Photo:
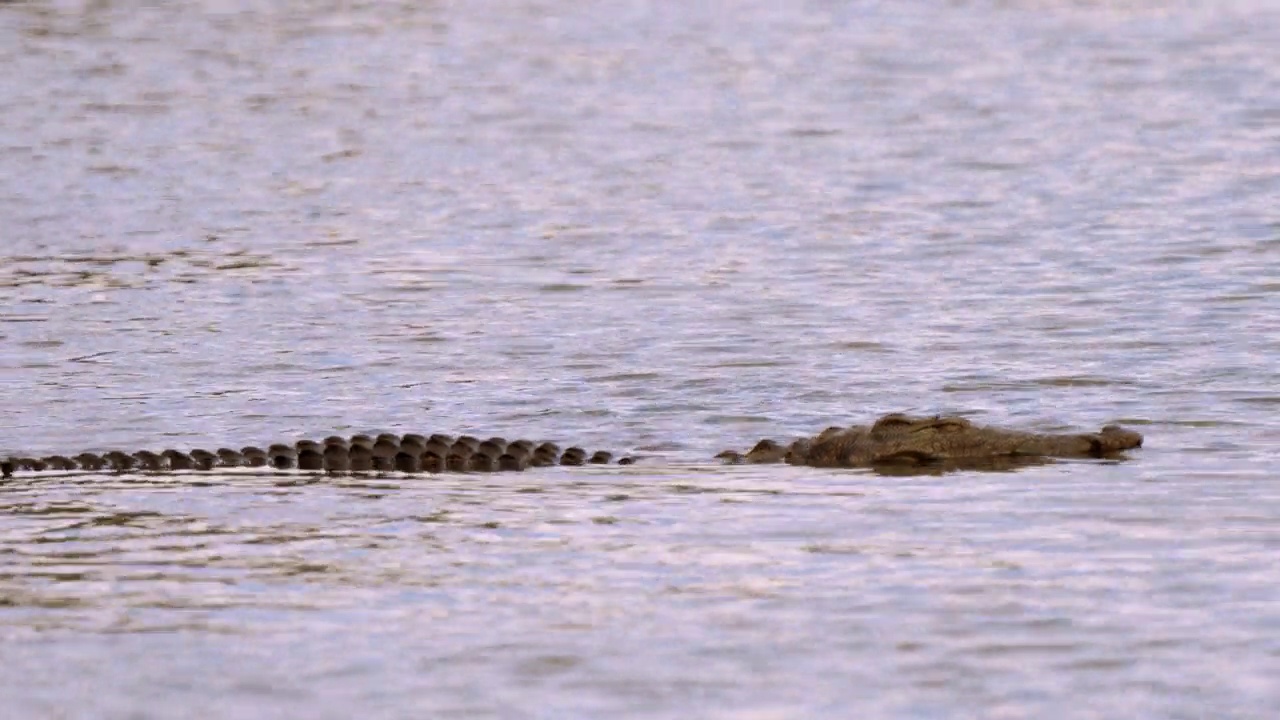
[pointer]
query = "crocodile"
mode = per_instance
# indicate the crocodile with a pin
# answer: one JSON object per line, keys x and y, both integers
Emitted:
{"x": 896, "y": 440}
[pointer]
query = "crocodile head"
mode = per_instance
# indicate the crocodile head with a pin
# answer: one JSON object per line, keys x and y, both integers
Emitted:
{"x": 907, "y": 440}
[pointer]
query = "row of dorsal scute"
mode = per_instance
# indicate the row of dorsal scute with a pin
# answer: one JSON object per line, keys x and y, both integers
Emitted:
{"x": 359, "y": 453}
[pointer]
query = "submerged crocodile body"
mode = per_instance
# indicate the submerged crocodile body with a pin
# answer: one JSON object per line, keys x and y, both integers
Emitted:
{"x": 895, "y": 440}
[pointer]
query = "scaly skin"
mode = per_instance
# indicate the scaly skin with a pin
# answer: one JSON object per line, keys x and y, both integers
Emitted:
{"x": 905, "y": 440}
{"x": 893, "y": 441}
{"x": 361, "y": 453}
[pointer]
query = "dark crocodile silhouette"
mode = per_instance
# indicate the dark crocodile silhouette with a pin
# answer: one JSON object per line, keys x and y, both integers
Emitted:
{"x": 897, "y": 440}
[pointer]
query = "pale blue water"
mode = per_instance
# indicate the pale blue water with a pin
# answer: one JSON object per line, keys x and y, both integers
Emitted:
{"x": 655, "y": 228}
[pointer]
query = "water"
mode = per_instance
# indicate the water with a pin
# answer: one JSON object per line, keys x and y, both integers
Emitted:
{"x": 659, "y": 229}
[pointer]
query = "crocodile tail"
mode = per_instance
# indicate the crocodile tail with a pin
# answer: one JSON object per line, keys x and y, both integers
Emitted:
{"x": 414, "y": 454}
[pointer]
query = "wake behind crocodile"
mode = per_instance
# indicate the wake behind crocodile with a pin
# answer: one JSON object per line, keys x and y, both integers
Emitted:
{"x": 897, "y": 442}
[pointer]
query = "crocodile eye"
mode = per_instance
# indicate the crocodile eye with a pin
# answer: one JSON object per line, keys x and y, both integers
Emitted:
{"x": 949, "y": 424}
{"x": 894, "y": 421}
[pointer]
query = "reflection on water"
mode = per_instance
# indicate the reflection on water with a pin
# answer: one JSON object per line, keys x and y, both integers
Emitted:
{"x": 652, "y": 228}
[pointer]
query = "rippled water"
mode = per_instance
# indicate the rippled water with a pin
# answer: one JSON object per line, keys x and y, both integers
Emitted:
{"x": 661, "y": 229}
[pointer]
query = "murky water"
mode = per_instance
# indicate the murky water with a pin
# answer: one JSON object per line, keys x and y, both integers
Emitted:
{"x": 662, "y": 229}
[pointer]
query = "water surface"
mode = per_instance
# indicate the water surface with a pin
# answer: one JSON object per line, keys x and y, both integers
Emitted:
{"x": 664, "y": 230}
